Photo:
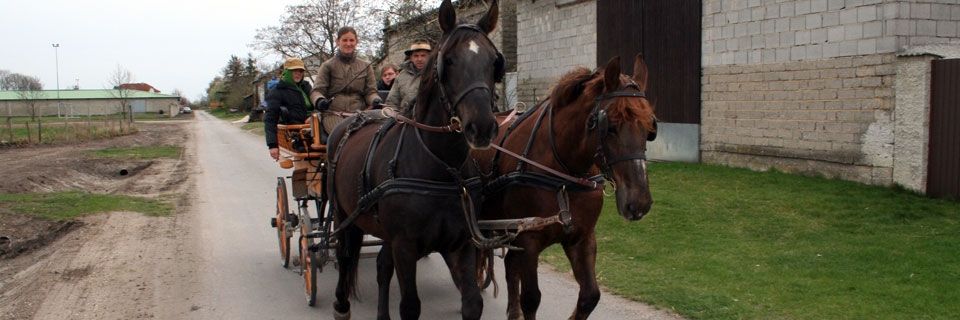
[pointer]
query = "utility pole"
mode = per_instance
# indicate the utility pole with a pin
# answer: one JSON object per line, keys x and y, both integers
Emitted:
{"x": 56, "y": 53}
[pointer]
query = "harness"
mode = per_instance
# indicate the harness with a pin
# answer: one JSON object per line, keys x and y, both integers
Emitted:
{"x": 458, "y": 187}
{"x": 555, "y": 180}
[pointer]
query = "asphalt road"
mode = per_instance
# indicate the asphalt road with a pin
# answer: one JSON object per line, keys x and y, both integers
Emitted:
{"x": 240, "y": 276}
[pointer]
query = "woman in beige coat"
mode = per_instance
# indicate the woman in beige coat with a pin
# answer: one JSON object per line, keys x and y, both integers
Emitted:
{"x": 344, "y": 83}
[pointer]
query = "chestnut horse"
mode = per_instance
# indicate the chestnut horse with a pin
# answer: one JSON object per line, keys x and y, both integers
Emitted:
{"x": 592, "y": 122}
{"x": 395, "y": 179}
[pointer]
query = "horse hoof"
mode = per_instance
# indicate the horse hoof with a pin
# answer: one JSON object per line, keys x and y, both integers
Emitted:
{"x": 341, "y": 316}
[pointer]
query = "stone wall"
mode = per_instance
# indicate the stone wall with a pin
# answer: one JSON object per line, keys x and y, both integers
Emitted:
{"x": 833, "y": 117}
{"x": 808, "y": 85}
{"x": 755, "y": 31}
{"x": 400, "y": 36}
{"x": 553, "y": 38}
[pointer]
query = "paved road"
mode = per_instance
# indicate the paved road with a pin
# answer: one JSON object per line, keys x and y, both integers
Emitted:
{"x": 240, "y": 276}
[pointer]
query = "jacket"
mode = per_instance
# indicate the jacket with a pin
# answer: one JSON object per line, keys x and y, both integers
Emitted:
{"x": 350, "y": 85}
{"x": 405, "y": 87}
{"x": 284, "y": 96}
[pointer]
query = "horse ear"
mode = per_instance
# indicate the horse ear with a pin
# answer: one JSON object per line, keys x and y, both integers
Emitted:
{"x": 640, "y": 72}
{"x": 489, "y": 21}
{"x": 611, "y": 75}
{"x": 447, "y": 17}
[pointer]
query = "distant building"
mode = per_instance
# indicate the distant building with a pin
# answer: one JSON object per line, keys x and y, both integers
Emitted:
{"x": 139, "y": 87}
{"x": 86, "y": 102}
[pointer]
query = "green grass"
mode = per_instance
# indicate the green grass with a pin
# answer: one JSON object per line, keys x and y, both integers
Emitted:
{"x": 724, "y": 243}
{"x": 53, "y": 133}
{"x": 255, "y": 127}
{"x": 141, "y": 152}
{"x": 68, "y": 205}
{"x": 225, "y": 114}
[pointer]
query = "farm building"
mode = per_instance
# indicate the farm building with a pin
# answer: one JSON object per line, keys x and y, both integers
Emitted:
{"x": 84, "y": 102}
{"x": 853, "y": 89}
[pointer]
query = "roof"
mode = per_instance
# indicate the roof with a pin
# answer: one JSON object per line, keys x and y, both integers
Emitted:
{"x": 88, "y": 94}
{"x": 139, "y": 86}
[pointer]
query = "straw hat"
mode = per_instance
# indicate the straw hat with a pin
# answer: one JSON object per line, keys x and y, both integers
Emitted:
{"x": 294, "y": 64}
{"x": 416, "y": 46}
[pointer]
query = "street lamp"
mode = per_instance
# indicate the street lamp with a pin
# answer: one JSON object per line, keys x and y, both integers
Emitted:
{"x": 56, "y": 53}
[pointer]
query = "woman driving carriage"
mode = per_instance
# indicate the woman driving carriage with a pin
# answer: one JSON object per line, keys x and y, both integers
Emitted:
{"x": 287, "y": 103}
{"x": 345, "y": 83}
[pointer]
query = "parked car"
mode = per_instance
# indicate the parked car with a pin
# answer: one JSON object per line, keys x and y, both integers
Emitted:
{"x": 186, "y": 110}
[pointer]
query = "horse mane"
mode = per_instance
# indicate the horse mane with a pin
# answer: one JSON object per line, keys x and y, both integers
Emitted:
{"x": 581, "y": 87}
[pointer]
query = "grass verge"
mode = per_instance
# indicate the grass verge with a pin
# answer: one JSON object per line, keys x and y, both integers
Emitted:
{"x": 225, "y": 114}
{"x": 724, "y": 243}
{"x": 255, "y": 127}
{"x": 67, "y": 205}
{"x": 141, "y": 152}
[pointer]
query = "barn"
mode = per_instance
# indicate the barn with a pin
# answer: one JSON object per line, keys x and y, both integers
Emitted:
{"x": 853, "y": 89}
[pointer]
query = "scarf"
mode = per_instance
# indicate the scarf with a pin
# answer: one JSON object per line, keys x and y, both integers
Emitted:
{"x": 287, "y": 78}
{"x": 346, "y": 58}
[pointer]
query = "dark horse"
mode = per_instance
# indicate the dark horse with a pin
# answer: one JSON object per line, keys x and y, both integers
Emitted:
{"x": 396, "y": 181}
{"x": 592, "y": 121}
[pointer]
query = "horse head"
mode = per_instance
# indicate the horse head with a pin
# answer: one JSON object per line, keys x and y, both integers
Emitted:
{"x": 463, "y": 70}
{"x": 623, "y": 121}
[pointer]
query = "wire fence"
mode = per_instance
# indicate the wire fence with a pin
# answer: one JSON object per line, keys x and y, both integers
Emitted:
{"x": 16, "y": 131}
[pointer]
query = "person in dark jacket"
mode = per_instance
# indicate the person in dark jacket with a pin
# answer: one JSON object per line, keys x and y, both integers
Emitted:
{"x": 387, "y": 73}
{"x": 288, "y": 103}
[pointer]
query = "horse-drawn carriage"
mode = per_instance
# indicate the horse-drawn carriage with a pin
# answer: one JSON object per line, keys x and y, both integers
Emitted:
{"x": 418, "y": 182}
{"x": 302, "y": 150}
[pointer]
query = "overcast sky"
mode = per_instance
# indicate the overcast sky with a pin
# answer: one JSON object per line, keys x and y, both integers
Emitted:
{"x": 173, "y": 44}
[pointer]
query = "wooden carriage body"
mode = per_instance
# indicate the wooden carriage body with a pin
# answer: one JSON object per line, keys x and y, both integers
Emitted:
{"x": 302, "y": 149}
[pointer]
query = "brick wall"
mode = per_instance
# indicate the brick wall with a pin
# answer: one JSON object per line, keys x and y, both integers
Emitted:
{"x": 808, "y": 85}
{"x": 552, "y": 39}
{"x": 756, "y": 31}
{"x": 836, "y": 111}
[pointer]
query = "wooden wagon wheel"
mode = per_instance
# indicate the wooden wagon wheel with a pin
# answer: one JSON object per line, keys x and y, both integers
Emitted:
{"x": 308, "y": 267}
{"x": 282, "y": 223}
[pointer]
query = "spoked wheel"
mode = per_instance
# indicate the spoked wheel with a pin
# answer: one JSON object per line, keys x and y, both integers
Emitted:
{"x": 282, "y": 222}
{"x": 308, "y": 267}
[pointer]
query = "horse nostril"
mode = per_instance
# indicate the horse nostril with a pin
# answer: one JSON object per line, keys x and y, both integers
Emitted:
{"x": 470, "y": 130}
{"x": 632, "y": 207}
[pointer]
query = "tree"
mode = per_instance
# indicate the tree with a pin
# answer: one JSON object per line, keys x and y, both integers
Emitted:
{"x": 119, "y": 77}
{"x": 29, "y": 89}
{"x": 238, "y": 76}
{"x": 18, "y": 82}
{"x": 310, "y": 28}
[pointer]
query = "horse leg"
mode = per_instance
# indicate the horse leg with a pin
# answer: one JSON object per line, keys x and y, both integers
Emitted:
{"x": 463, "y": 269}
{"x": 511, "y": 270}
{"x": 384, "y": 275}
{"x": 582, "y": 255}
{"x": 529, "y": 284}
{"x": 452, "y": 266}
{"x": 348, "y": 253}
{"x": 405, "y": 262}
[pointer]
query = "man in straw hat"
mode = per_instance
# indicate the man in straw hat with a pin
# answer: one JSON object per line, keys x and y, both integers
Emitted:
{"x": 288, "y": 103}
{"x": 405, "y": 86}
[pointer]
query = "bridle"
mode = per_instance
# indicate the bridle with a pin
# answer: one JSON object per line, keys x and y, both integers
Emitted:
{"x": 477, "y": 85}
{"x": 599, "y": 122}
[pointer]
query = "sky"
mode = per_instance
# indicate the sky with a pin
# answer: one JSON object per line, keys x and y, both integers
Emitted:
{"x": 174, "y": 44}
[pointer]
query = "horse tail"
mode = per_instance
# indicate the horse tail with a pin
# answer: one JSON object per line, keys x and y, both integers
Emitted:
{"x": 348, "y": 257}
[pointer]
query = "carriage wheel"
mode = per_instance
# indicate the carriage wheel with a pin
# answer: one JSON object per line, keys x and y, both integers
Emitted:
{"x": 308, "y": 267}
{"x": 282, "y": 222}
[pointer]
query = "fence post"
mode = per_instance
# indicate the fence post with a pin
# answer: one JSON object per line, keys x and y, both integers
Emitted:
{"x": 39, "y": 132}
{"x": 29, "y": 138}
{"x": 10, "y": 128}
